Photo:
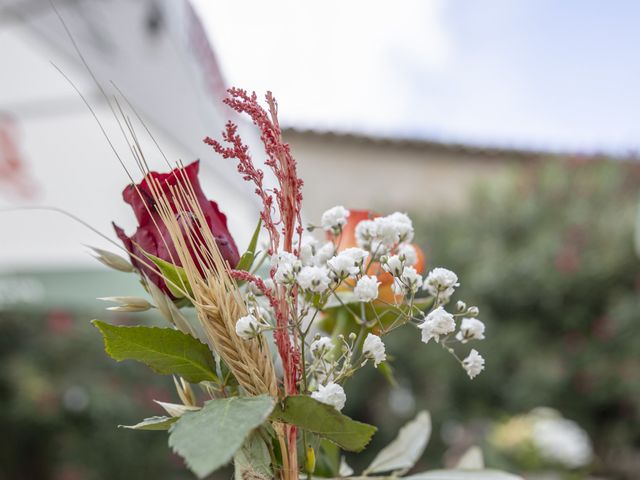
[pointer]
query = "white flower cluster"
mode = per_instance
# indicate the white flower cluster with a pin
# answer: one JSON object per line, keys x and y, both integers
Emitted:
{"x": 382, "y": 235}
{"x": 441, "y": 283}
{"x": 334, "y": 219}
{"x": 309, "y": 277}
{"x": 373, "y": 348}
{"x": 331, "y": 394}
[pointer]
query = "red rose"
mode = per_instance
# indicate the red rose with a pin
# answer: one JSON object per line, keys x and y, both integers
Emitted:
{"x": 152, "y": 235}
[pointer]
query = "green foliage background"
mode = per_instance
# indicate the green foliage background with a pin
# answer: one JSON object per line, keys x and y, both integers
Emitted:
{"x": 546, "y": 253}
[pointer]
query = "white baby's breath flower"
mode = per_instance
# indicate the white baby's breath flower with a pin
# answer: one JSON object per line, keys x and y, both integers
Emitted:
{"x": 285, "y": 274}
{"x": 282, "y": 258}
{"x": 393, "y": 264}
{"x": 343, "y": 265}
{"x": 365, "y": 233}
{"x": 408, "y": 252}
{"x": 441, "y": 282}
{"x": 324, "y": 253}
{"x": 247, "y": 327}
{"x": 269, "y": 285}
{"x": 403, "y": 226}
{"x": 308, "y": 250}
{"x": 287, "y": 266}
{"x": 334, "y": 219}
{"x": 321, "y": 346}
{"x": 358, "y": 255}
{"x": 313, "y": 279}
{"x": 331, "y": 394}
{"x": 437, "y": 322}
{"x": 408, "y": 282}
{"x": 470, "y": 329}
{"x": 473, "y": 364}
{"x": 366, "y": 290}
{"x": 373, "y": 348}
{"x": 386, "y": 231}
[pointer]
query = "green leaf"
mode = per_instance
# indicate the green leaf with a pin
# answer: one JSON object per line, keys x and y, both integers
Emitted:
{"x": 252, "y": 460}
{"x": 176, "y": 278}
{"x": 325, "y": 421}
{"x": 407, "y": 448}
{"x": 153, "y": 423}
{"x": 247, "y": 258}
{"x": 463, "y": 475}
{"x": 165, "y": 350}
{"x": 209, "y": 438}
{"x": 327, "y": 459}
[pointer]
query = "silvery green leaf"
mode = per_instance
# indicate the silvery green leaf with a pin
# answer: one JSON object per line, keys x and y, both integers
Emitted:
{"x": 471, "y": 460}
{"x": 463, "y": 475}
{"x": 345, "y": 470}
{"x": 209, "y": 438}
{"x": 253, "y": 460}
{"x": 152, "y": 423}
{"x": 176, "y": 409}
{"x": 403, "y": 453}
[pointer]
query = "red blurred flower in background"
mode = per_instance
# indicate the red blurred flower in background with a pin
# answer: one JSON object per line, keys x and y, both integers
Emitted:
{"x": 152, "y": 235}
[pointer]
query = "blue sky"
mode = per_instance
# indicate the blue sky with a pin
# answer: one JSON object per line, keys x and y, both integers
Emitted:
{"x": 537, "y": 74}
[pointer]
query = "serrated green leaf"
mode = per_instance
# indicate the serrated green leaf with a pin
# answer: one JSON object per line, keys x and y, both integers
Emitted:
{"x": 153, "y": 423}
{"x": 165, "y": 350}
{"x": 209, "y": 438}
{"x": 325, "y": 421}
{"x": 176, "y": 278}
{"x": 247, "y": 258}
{"x": 407, "y": 448}
{"x": 463, "y": 475}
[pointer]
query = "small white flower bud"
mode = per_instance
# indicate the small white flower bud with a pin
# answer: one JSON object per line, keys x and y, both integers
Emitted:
{"x": 473, "y": 364}
{"x": 470, "y": 329}
{"x": 461, "y": 306}
{"x": 321, "y": 346}
{"x": 334, "y": 219}
{"x": 373, "y": 348}
{"x": 248, "y": 327}
{"x": 473, "y": 311}
{"x": 394, "y": 265}
{"x": 436, "y": 323}
{"x": 366, "y": 290}
{"x": 331, "y": 394}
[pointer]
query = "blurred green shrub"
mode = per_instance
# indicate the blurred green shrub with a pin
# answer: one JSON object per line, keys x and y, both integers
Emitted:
{"x": 61, "y": 399}
{"x": 547, "y": 254}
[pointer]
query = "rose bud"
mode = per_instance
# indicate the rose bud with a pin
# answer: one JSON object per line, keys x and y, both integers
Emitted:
{"x": 152, "y": 235}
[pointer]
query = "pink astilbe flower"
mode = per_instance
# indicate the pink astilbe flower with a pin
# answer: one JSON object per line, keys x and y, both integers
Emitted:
{"x": 288, "y": 200}
{"x": 287, "y": 196}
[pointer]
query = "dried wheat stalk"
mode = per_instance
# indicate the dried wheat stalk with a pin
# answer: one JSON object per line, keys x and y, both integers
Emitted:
{"x": 215, "y": 294}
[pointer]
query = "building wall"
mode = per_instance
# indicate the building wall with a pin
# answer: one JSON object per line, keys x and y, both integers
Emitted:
{"x": 389, "y": 176}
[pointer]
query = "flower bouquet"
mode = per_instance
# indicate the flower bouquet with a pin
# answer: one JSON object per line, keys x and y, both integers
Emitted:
{"x": 277, "y": 331}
